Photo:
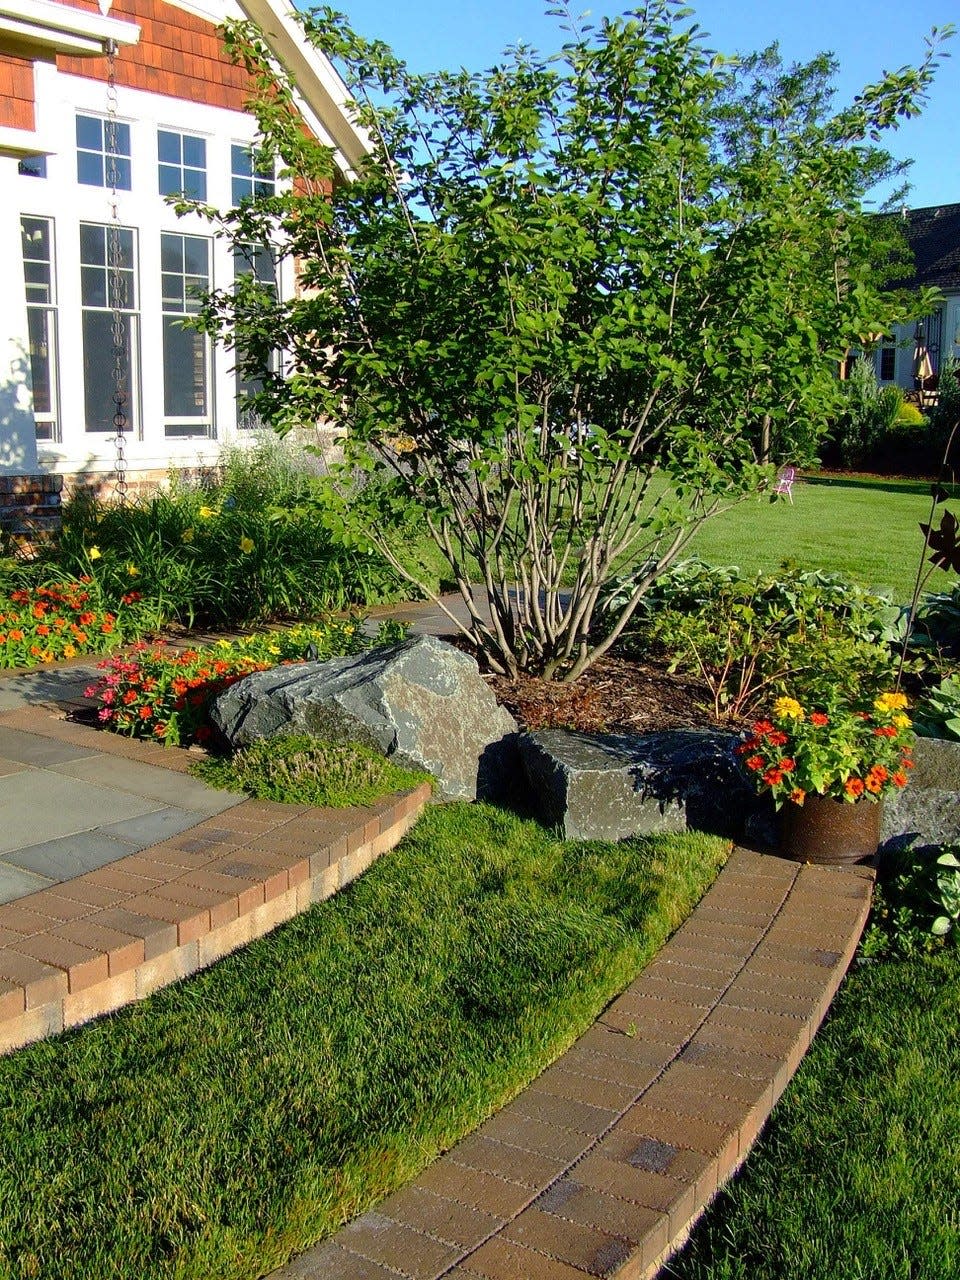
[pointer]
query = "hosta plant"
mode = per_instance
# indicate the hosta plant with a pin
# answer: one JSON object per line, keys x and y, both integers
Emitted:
{"x": 843, "y": 750}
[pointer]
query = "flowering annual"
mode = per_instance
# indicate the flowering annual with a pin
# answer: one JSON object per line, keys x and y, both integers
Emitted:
{"x": 849, "y": 751}
{"x": 41, "y": 625}
{"x": 154, "y": 691}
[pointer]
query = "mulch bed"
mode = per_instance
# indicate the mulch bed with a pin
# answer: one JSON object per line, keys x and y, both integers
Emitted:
{"x": 615, "y": 695}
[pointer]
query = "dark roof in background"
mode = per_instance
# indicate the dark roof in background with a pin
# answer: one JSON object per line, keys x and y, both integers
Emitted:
{"x": 934, "y": 237}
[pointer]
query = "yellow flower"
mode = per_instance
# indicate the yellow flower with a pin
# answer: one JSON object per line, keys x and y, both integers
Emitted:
{"x": 69, "y": 651}
{"x": 788, "y": 709}
{"x": 187, "y": 535}
{"x": 246, "y": 545}
{"x": 902, "y": 722}
{"x": 206, "y": 513}
{"x": 133, "y": 571}
{"x": 891, "y": 702}
{"x": 94, "y": 553}
{"x": 273, "y": 648}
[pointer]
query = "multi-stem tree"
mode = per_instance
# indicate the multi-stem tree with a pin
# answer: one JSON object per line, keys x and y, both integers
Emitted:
{"x": 568, "y": 308}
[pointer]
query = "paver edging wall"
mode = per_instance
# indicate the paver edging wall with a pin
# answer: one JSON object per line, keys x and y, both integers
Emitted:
{"x": 60, "y": 1000}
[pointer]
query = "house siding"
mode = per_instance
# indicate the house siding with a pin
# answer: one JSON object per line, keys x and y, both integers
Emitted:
{"x": 178, "y": 56}
{"x": 16, "y": 93}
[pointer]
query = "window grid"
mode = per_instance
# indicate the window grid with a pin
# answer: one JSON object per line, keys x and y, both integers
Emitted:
{"x": 258, "y": 261}
{"x": 185, "y": 272}
{"x": 106, "y": 285}
{"x": 40, "y": 280}
{"x": 181, "y": 164}
{"x": 103, "y": 153}
{"x": 248, "y": 180}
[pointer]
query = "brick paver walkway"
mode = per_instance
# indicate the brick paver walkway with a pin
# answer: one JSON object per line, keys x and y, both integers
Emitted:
{"x": 92, "y": 943}
{"x": 602, "y": 1164}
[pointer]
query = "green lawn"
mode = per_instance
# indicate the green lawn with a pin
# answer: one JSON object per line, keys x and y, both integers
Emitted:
{"x": 227, "y": 1122}
{"x": 867, "y": 529}
{"x": 857, "y": 1176}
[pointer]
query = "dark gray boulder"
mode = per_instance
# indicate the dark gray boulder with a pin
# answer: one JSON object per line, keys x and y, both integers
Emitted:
{"x": 927, "y": 810}
{"x": 421, "y": 702}
{"x": 608, "y": 786}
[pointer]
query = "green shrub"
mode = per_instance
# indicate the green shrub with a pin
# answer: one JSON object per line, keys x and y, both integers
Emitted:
{"x": 916, "y": 903}
{"x": 807, "y": 634}
{"x": 870, "y": 410}
{"x": 252, "y": 545}
{"x": 910, "y": 416}
{"x": 299, "y": 769}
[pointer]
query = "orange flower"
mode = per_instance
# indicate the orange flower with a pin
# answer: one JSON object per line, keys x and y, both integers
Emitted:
{"x": 755, "y": 763}
{"x": 777, "y": 738}
{"x": 145, "y": 713}
{"x": 43, "y": 629}
{"x": 773, "y": 776}
{"x": 853, "y": 787}
{"x": 819, "y": 719}
{"x": 16, "y": 634}
{"x": 787, "y": 766}
{"x": 798, "y": 795}
{"x": 129, "y": 696}
{"x": 885, "y": 731}
{"x": 899, "y": 779}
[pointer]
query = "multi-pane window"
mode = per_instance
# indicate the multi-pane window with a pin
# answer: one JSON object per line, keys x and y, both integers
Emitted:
{"x": 38, "y": 271}
{"x": 185, "y": 267}
{"x": 256, "y": 262}
{"x": 182, "y": 164}
{"x": 33, "y": 167}
{"x": 249, "y": 179}
{"x": 103, "y": 152}
{"x": 108, "y": 291}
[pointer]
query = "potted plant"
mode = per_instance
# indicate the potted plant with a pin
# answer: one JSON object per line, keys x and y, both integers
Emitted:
{"x": 828, "y": 768}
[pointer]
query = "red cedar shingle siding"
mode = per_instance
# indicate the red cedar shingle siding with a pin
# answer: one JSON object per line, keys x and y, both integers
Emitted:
{"x": 178, "y": 55}
{"x": 16, "y": 93}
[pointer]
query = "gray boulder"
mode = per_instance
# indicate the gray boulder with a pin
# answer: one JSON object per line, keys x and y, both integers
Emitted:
{"x": 608, "y": 786}
{"x": 927, "y": 811}
{"x": 421, "y": 702}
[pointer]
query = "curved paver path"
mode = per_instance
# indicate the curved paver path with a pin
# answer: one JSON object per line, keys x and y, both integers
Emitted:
{"x": 602, "y": 1164}
{"x": 96, "y": 941}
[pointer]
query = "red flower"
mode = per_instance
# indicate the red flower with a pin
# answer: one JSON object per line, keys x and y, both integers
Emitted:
{"x": 762, "y": 726}
{"x": 818, "y": 718}
{"x": 885, "y": 731}
{"x": 773, "y": 775}
{"x": 129, "y": 696}
{"x": 145, "y": 713}
{"x": 755, "y": 763}
{"x": 777, "y": 738}
{"x": 787, "y": 766}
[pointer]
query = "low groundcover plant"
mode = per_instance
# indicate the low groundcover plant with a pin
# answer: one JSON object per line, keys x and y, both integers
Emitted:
{"x": 846, "y": 751}
{"x": 156, "y": 692}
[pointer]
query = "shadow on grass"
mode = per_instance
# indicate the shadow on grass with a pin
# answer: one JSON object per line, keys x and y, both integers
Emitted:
{"x": 889, "y": 484}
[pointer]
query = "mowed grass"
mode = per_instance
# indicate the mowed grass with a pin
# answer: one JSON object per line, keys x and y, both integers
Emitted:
{"x": 232, "y": 1120}
{"x": 857, "y": 1176}
{"x": 867, "y": 529}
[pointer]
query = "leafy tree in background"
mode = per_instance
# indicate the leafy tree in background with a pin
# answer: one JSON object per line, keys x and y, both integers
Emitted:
{"x": 569, "y": 307}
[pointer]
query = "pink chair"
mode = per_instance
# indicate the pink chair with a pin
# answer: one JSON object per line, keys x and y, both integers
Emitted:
{"x": 784, "y": 484}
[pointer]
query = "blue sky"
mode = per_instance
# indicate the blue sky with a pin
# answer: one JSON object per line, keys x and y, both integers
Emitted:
{"x": 867, "y": 38}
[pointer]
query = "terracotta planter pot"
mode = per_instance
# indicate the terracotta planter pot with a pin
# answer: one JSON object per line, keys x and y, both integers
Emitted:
{"x": 830, "y": 831}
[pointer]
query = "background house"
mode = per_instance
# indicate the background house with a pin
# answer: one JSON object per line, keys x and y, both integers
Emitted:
{"x": 915, "y": 353}
{"x": 90, "y": 145}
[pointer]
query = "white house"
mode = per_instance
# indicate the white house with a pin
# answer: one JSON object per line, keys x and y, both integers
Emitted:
{"x": 103, "y": 114}
{"x": 913, "y": 355}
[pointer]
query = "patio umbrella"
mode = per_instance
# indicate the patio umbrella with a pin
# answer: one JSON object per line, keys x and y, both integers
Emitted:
{"x": 922, "y": 366}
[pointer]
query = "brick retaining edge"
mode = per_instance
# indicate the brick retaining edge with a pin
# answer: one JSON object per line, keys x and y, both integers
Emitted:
{"x": 602, "y": 1165}
{"x": 90, "y": 945}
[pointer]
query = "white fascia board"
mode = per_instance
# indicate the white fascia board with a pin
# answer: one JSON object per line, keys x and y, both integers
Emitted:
{"x": 23, "y": 142}
{"x": 44, "y": 27}
{"x": 324, "y": 97}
